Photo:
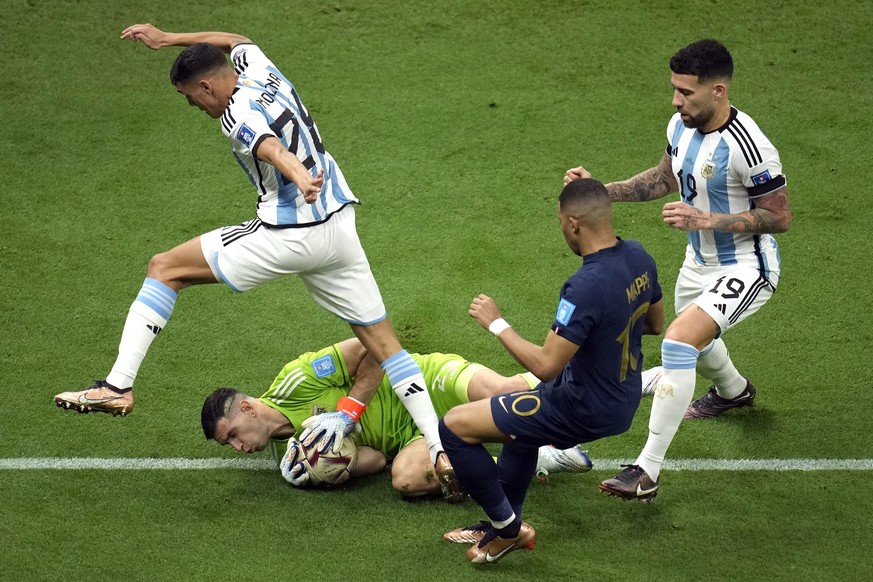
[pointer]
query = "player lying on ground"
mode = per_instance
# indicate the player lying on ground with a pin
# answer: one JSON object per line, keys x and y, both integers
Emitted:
{"x": 318, "y": 382}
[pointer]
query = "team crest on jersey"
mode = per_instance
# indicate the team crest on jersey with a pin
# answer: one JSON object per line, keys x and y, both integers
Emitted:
{"x": 565, "y": 310}
{"x": 761, "y": 178}
{"x": 708, "y": 169}
{"x": 245, "y": 134}
{"x": 324, "y": 366}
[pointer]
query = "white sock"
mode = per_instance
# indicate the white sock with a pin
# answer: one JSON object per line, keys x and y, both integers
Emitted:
{"x": 147, "y": 317}
{"x": 715, "y": 365}
{"x": 672, "y": 398}
{"x": 409, "y": 385}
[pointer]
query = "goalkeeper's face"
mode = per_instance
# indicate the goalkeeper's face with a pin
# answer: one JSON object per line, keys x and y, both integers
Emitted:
{"x": 244, "y": 432}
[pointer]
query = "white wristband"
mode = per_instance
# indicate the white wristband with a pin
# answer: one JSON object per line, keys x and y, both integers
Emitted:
{"x": 498, "y": 326}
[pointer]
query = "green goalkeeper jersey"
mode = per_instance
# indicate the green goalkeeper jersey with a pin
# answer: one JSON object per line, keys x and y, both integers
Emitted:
{"x": 315, "y": 381}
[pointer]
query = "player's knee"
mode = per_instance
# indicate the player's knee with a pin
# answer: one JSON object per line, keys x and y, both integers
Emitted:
{"x": 412, "y": 482}
{"x": 160, "y": 266}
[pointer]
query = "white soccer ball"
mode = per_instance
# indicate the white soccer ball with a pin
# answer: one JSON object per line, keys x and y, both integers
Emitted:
{"x": 330, "y": 469}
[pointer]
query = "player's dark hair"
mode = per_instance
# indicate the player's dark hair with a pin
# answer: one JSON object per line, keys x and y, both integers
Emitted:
{"x": 583, "y": 191}
{"x": 707, "y": 59}
{"x": 215, "y": 408}
{"x": 195, "y": 60}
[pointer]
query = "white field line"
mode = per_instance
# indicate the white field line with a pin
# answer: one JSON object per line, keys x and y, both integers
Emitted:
{"x": 169, "y": 464}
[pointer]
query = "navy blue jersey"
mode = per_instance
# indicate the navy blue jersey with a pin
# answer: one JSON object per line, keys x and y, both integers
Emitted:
{"x": 602, "y": 309}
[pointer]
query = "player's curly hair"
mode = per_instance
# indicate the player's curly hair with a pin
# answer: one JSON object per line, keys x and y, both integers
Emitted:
{"x": 195, "y": 60}
{"x": 215, "y": 408}
{"x": 707, "y": 58}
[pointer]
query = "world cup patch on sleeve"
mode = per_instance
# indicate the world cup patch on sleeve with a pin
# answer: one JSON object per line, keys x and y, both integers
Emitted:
{"x": 324, "y": 366}
{"x": 565, "y": 311}
{"x": 245, "y": 134}
{"x": 761, "y": 178}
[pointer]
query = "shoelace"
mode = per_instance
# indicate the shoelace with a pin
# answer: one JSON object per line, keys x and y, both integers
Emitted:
{"x": 628, "y": 476}
{"x": 490, "y": 534}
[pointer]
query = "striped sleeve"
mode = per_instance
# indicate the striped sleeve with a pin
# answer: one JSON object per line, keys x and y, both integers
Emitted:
{"x": 755, "y": 160}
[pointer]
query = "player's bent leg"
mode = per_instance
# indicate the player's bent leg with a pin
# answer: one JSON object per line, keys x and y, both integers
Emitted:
{"x": 182, "y": 266}
{"x": 168, "y": 273}
{"x": 487, "y": 383}
{"x": 405, "y": 377}
{"x": 408, "y": 383}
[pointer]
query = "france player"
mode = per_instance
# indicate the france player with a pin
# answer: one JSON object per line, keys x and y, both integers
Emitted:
{"x": 305, "y": 225}
{"x": 319, "y": 381}
{"x": 733, "y": 197}
{"x": 591, "y": 364}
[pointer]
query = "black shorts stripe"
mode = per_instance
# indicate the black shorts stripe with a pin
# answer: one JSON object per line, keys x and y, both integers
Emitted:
{"x": 235, "y": 233}
{"x": 759, "y": 285}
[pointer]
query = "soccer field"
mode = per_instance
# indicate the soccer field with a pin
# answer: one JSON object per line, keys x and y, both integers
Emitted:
{"x": 454, "y": 123}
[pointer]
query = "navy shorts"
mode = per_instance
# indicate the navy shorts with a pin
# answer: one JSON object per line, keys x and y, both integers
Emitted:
{"x": 538, "y": 418}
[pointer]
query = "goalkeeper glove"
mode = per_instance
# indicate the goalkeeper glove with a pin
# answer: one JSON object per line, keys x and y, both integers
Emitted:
{"x": 292, "y": 467}
{"x": 330, "y": 428}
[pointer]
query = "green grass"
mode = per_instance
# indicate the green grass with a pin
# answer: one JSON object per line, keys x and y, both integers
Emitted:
{"x": 453, "y": 122}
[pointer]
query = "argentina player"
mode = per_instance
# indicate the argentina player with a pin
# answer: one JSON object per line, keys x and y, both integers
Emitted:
{"x": 733, "y": 197}
{"x": 304, "y": 225}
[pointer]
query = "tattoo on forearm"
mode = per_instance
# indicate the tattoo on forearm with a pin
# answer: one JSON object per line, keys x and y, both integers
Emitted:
{"x": 649, "y": 185}
{"x": 755, "y": 221}
{"x": 773, "y": 214}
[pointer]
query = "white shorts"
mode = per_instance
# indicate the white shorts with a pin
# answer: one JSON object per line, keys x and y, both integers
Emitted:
{"x": 328, "y": 257}
{"x": 727, "y": 294}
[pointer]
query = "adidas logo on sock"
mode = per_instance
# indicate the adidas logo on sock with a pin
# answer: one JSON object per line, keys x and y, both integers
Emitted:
{"x": 154, "y": 328}
{"x": 413, "y": 389}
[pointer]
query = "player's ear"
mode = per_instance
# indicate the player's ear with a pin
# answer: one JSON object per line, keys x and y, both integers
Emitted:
{"x": 206, "y": 86}
{"x": 246, "y": 407}
{"x": 719, "y": 91}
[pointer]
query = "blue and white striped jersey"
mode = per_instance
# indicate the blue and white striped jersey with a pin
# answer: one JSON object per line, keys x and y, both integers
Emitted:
{"x": 265, "y": 104}
{"x": 724, "y": 171}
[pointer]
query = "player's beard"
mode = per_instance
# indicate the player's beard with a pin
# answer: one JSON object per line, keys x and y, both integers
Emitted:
{"x": 699, "y": 120}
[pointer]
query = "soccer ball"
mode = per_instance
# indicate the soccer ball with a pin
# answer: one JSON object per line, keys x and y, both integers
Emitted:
{"x": 330, "y": 469}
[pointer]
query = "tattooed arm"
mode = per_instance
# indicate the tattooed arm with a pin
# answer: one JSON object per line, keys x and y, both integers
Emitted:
{"x": 654, "y": 183}
{"x": 772, "y": 214}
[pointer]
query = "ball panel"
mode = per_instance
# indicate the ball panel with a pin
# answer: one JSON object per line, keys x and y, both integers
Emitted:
{"x": 330, "y": 469}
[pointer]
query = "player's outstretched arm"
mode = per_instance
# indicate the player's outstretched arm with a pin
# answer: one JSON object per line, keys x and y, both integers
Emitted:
{"x": 155, "y": 38}
{"x": 543, "y": 361}
{"x": 652, "y": 184}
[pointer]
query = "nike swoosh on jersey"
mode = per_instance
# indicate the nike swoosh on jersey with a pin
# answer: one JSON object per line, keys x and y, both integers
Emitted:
{"x": 85, "y": 400}
{"x": 503, "y": 404}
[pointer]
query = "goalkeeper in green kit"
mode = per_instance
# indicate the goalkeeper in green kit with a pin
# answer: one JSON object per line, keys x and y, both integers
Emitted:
{"x": 322, "y": 396}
